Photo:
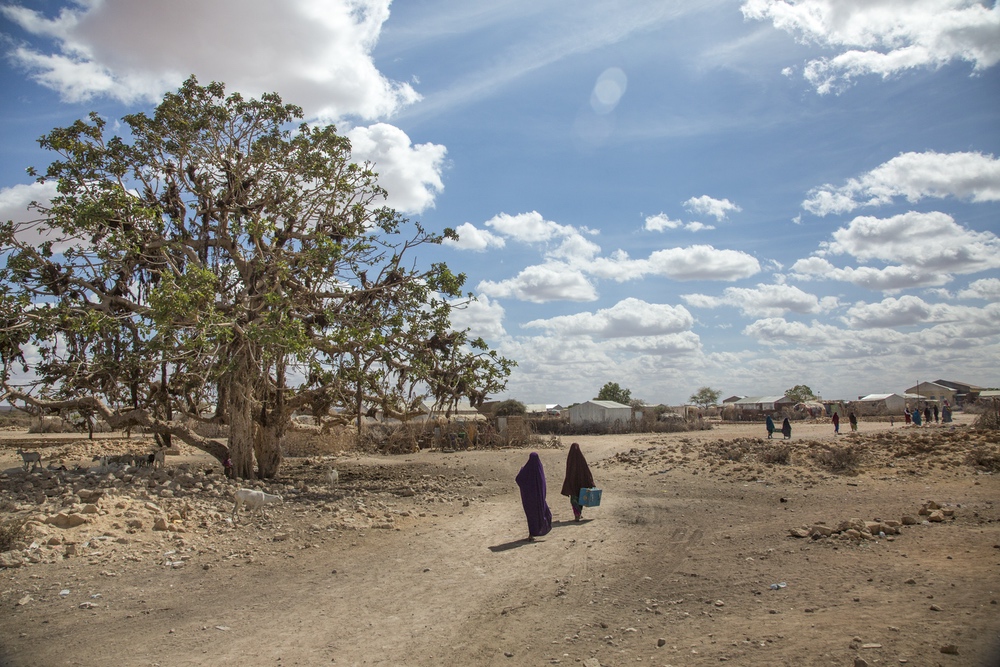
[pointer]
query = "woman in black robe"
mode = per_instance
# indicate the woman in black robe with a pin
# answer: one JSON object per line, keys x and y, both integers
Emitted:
{"x": 578, "y": 477}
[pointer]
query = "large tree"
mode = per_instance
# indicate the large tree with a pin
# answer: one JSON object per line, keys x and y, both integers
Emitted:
{"x": 611, "y": 391}
{"x": 219, "y": 255}
{"x": 705, "y": 397}
{"x": 800, "y": 393}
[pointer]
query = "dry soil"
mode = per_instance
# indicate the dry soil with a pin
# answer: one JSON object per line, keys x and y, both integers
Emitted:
{"x": 420, "y": 559}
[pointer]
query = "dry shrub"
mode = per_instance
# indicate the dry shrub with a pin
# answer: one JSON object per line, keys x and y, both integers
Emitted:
{"x": 985, "y": 457}
{"x": 775, "y": 454}
{"x": 11, "y": 532}
{"x": 988, "y": 421}
{"x": 841, "y": 459}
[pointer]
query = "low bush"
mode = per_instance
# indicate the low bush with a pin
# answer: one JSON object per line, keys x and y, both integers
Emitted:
{"x": 776, "y": 454}
{"x": 841, "y": 459}
{"x": 985, "y": 457}
{"x": 11, "y": 532}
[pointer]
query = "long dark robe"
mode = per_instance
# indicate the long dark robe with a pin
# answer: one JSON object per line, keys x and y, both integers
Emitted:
{"x": 531, "y": 481}
{"x": 770, "y": 425}
{"x": 578, "y": 474}
{"x": 786, "y": 428}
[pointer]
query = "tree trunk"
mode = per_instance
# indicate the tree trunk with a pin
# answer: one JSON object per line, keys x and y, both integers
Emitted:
{"x": 267, "y": 448}
{"x": 240, "y": 394}
{"x": 271, "y": 428}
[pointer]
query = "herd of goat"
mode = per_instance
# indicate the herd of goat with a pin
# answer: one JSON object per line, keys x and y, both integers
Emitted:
{"x": 252, "y": 498}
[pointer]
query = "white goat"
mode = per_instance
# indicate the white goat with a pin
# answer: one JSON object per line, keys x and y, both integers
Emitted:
{"x": 332, "y": 476}
{"x": 32, "y": 458}
{"x": 253, "y": 499}
{"x": 156, "y": 459}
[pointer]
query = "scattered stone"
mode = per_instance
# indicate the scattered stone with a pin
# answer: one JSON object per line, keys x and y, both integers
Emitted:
{"x": 64, "y": 520}
{"x": 949, "y": 649}
{"x": 860, "y": 662}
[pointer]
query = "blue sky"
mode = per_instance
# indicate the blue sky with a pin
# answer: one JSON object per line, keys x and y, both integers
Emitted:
{"x": 743, "y": 194}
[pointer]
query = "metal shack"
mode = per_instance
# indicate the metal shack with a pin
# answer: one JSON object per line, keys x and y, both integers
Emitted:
{"x": 599, "y": 411}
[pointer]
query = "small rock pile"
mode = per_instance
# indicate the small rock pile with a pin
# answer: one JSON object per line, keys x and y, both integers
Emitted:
{"x": 857, "y": 530}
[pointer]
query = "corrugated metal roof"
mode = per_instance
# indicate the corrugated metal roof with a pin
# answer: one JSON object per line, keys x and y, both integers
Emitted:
{"x": 609, "y": 404}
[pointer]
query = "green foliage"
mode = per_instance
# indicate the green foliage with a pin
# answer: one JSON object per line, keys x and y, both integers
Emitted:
{"x": 612, "y": 392}
{"x": 800, "y": 393}
{"x": 510, "y": 408}
{"x": 225, "y": 250}
{"x": 705, "y": 397}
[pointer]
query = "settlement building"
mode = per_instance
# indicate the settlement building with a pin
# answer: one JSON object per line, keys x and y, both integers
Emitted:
{"x": 880, "y": 404}
{"x": 932, "y": 392}
{"x": 762, "y": 404}
{"x": 963, "y": 392}
{"x": 599, "y": 411}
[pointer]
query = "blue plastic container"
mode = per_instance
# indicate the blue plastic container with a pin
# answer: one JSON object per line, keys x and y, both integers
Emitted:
{"x": 590, "y": 497}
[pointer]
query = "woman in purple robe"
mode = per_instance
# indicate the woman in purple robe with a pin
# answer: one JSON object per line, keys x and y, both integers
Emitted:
{"x": 531, "y": 481}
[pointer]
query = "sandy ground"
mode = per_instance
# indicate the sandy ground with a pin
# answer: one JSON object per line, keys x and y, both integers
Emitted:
{"x": 420, "y": 560}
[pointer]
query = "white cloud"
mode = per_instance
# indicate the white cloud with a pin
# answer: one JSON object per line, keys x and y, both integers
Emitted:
{"x": 482, "y": 317}
{"x": 702, "y": 262}
{"x": 411, "y": 174}
{"x": 928, "y": 242}
{"x": 920, "y": 250}
{"x": 315, "y": 53}
{"x": 718, "y": 208}
{"x": 562, "y": 242}
{"x": 542, "y": 283}
{"x": 661, "y": 221}
{"x": 972, "y": 176}
{"x": 884, "y": 37}
{"x": 987, "y": 288}
{"x": 14, "y": 202}
{"x": 628, "y": 318}
{"x": 472, "y": 238}
{"x": 761, "y": 301}
{"x": 901, "y": 312}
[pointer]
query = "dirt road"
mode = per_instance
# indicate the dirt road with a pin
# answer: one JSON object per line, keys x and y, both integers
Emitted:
{"x": 675, "y": 567}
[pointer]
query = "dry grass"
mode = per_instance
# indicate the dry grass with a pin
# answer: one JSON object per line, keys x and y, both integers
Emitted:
{"x": 847, "y": 459}
{"x": 11, "y": 532}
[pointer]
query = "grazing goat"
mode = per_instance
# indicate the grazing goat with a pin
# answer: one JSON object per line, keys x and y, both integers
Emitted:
{"x": 332, "y": 477}
{"x": 253, "y": 499}
{"x": 32, "y": 458}
{"x": 156, "y": 459}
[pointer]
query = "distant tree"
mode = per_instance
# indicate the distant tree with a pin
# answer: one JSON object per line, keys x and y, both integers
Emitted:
{"x": 705, "y": 397}
{"x": 510, "y": 408}
{"x": 612, "y": 392}
{"x": 800, "y": 393}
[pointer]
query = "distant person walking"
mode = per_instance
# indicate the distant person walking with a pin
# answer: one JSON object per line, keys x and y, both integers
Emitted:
{"x": 851, "y": 417}
{"x": 946, "y": 413}
{"x": 916, "y": 417}
{"x": 906, "y": 416}
{"x": 770, "y": 426}
{"x": 935, "y": 413}
{"x": 786, "y": 429}
{"x": 531, "y": 481}
{"x": 836, "y": 423}
{"x": 578, "y": 477}
{"x": 927, "y": 415}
